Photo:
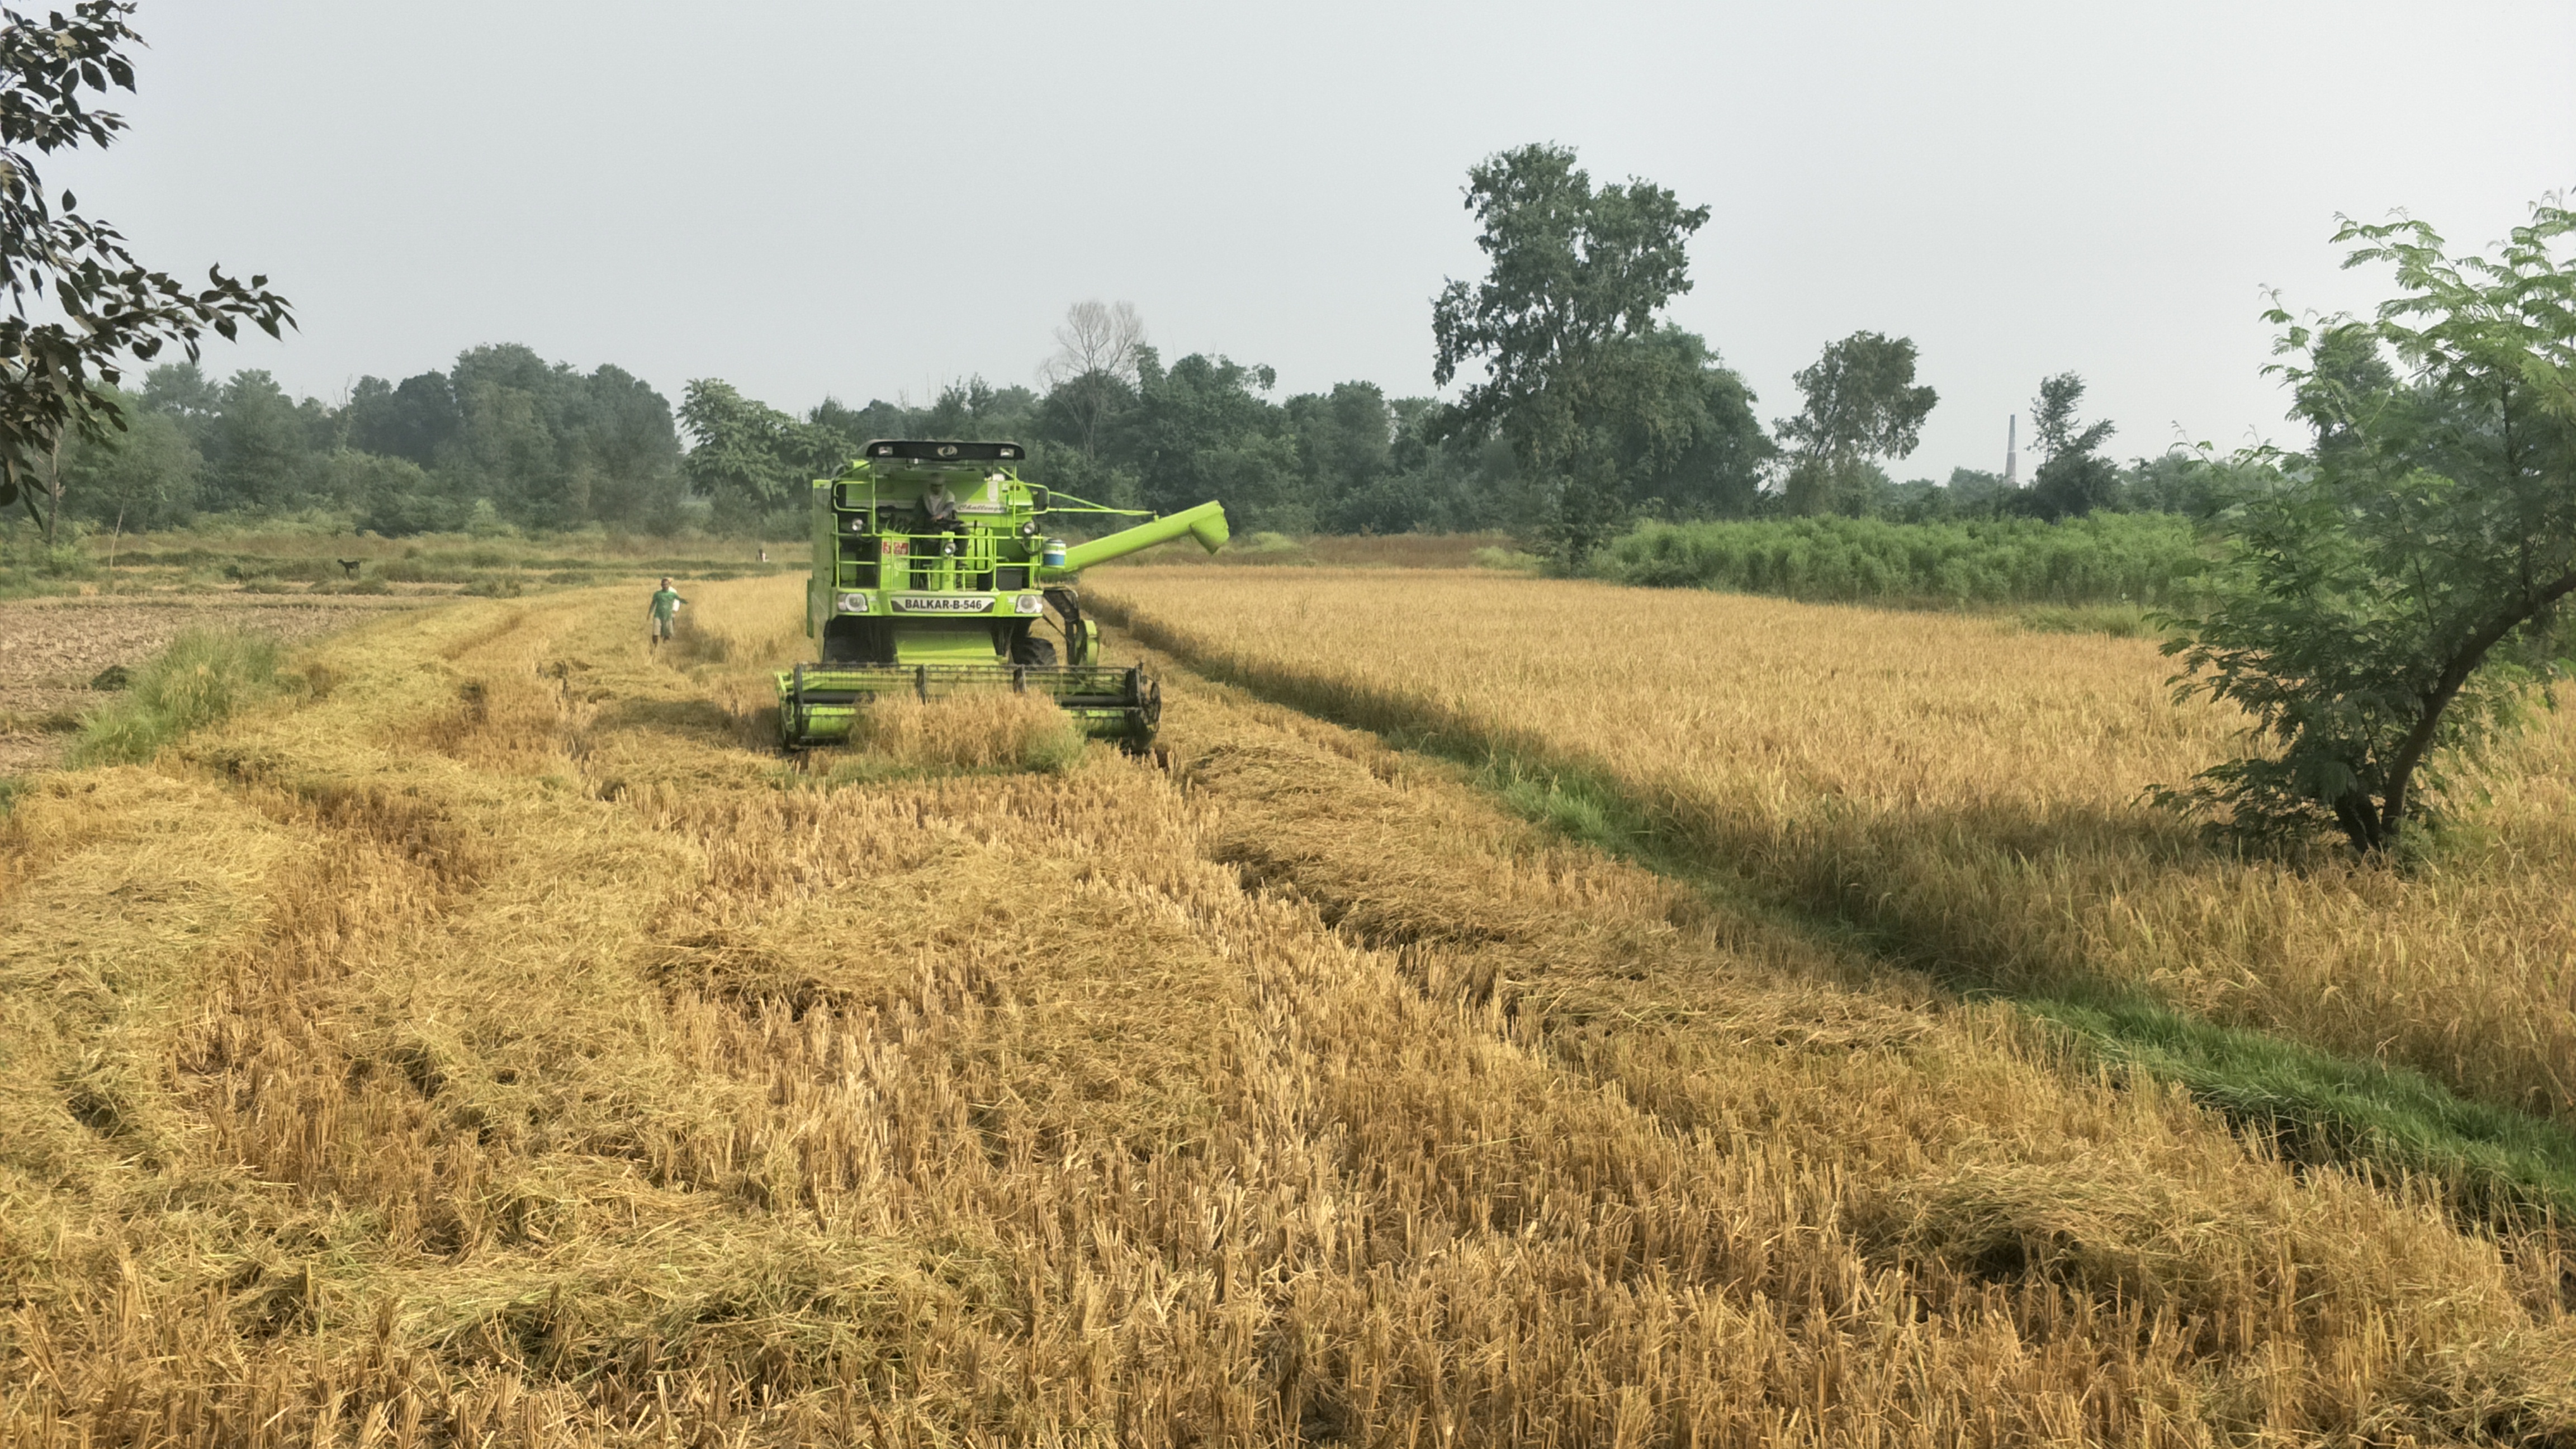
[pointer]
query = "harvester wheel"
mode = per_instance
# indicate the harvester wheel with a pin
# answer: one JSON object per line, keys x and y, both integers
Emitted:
{"x": 1031, "y": 649}
{"x": 1077, "y": 630}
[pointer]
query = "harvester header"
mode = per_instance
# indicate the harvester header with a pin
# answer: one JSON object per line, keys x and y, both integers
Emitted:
{"x": 936, "y": 568}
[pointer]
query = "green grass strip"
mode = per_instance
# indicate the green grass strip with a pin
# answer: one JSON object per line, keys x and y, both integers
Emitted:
{"x": 199, "y": 680}
{"x": 2319, "y": 1107}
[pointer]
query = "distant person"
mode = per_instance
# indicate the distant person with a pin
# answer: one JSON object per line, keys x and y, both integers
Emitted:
{"x": 662, "y": 615}
{"x": 764, "y": 553}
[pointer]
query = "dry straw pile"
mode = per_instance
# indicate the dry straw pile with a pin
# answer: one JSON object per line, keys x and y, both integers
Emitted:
{"x": 1969, "y": 791}
{"x": 506, "y": 1048}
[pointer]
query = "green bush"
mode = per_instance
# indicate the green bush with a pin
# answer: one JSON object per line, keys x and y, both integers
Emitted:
{"x": 202, "y": 677}
{"x": 2147, "y": 559}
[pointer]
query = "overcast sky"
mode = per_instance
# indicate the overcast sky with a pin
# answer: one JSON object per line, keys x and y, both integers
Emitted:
{"x": 865, "y": 200}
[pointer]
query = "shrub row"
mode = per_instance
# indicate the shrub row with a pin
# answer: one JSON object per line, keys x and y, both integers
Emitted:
{"x": 2146, "y": 558}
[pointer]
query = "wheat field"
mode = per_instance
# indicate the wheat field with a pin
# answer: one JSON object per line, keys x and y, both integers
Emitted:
{"x": 497, "y": 1042}
{"x": 1969, "y": 791}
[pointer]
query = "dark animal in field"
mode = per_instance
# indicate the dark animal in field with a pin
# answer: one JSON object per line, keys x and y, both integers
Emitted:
{"x": 350, "y": 566}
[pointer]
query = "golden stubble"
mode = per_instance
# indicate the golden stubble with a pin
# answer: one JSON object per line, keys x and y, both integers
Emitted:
{"x": 505, "y": 1049}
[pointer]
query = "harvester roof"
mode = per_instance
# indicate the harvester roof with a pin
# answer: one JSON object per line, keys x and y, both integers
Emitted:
{"x": 934, "y": 451}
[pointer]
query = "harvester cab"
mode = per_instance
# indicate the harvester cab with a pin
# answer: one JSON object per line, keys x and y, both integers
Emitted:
{"x": 936, "y": 569}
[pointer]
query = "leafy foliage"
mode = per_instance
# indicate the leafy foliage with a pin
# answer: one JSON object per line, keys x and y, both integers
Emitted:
{"x": 741, "y": 451}
{"x": 1592, "y": 396}
{"x": 1862, "y": 403}
{"x": 1092, "y": 377}
{"x": 110, "y": 305}
{"x": 505, "y": 434}
{"x": 2075, "y": 478}
{"x": 1203, "y": 429}
{"x": 2394, "y": 604}
{"x": 145, "y": 477}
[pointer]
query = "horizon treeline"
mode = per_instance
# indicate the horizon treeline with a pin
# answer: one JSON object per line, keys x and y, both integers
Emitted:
{"x": 504, "y": 439}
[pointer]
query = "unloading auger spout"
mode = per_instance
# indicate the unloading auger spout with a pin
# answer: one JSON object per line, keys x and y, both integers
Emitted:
{"x": 934, "y": 572}
{"x": 1206, "y": 523}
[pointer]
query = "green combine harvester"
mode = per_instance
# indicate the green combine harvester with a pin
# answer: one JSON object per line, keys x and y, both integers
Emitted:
{"x": 934, "y": 573}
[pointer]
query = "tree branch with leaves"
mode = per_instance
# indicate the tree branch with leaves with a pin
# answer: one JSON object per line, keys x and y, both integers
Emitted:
{"x": 78, "y": 301}
{"x": 2397, "y": 602}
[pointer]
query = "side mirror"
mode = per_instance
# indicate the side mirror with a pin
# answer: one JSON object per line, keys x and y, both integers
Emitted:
{"x": 1038, "y": 497}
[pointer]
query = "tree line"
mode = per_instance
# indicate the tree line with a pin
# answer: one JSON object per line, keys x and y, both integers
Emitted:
{"x": 1595, "y": 413}
{"x": 506, "y": 438}
{"x": 503, "y": 438}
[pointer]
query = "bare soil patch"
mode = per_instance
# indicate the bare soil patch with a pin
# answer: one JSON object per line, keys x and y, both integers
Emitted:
{"x": 51, "y": 650}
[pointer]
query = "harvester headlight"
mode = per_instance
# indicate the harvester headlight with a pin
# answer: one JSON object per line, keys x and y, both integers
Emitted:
{"x": 1028, "y": 528}
{"x": 853, "y": 603}
{"x": 949, "y": 547}
{"x": 1028, "y": 604}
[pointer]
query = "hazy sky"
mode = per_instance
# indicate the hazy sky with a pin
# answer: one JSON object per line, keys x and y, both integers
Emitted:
{"x": 865, "y": 200}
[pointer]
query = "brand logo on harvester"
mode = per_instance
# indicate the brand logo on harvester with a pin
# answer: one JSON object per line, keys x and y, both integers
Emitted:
{"x": 944, "y": 603}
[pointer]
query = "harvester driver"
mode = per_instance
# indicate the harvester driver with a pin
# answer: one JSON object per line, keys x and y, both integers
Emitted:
{"x": 938, "y": 509}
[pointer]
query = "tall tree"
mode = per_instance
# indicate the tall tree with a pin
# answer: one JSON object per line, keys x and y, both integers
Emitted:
{"x": 2400, "y": 593}
{"x": 2346, "y": 384}
{"x": 142, "y": 477}
{"x": 1862, "y": 404}
{"x": 416, "y": 420}
{"x": 1203, "y": 429}
{"x": 1096, "y": 337}
{"x": 743, "y": 453}
{"x": 623, "y": 452}
{"x": 2074, "y": 478}
{"x": 1571, "y": 272}
{"x": 259, "y": 447}
{"x": 1346, "y": 436}
{"x": 1091, "y": 378}
{"x": 53, "y": 374}
{"x": 509, "y": 406}
{"x": 553, "y": 447}
{"x": 1687, "y": 436}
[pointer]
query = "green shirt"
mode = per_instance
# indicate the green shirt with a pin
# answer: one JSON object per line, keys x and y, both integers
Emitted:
{"x": 664, "y": 602}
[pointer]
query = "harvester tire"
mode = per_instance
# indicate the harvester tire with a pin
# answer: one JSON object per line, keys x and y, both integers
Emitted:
{"x": 1068, "y": 608}
{"x": 1030, "y": 649}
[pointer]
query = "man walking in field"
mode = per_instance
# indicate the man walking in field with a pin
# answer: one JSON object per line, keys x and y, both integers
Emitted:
{"x": 663, "y": 613}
